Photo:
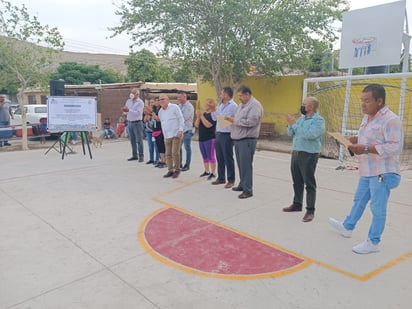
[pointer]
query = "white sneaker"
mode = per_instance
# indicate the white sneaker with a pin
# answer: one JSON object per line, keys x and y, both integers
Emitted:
{"x": 365, "y": 247}
{"x": 339, "y": 226}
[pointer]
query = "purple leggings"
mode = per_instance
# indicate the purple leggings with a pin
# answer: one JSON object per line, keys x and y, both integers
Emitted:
{"x": 207, "y": 149}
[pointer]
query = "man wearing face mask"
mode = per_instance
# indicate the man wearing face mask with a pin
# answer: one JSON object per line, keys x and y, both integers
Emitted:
{"x": 307, "y": 133}
{"x": 134, "y": 113}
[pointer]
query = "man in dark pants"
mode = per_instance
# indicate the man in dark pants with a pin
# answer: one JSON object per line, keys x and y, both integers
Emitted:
{"x": 307, "y": 135}
{"x": 134, "y": 111}
{"x": 245, "y": 131}
{"x": 224, "y": 143}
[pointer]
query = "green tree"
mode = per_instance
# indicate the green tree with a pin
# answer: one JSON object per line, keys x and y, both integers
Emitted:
{"x": 22, "y": 58}
{"x": 144, "y": 66}
{"x": 74, "y": 73}
{"x": 166, "y": 74}
{"x": 226, "y": 40}
{"x": 183, "y": 73}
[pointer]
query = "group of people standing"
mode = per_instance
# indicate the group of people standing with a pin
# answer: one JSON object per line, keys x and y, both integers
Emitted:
{"x": 229, "y": 126}
{"x": 169, "y": 128}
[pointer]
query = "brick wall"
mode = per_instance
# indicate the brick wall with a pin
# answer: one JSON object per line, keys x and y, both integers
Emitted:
{"x": 110, "y": 102}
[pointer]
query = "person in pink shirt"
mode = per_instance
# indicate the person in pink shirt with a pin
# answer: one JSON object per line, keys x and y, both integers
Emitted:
{"x": 377, "y": 146}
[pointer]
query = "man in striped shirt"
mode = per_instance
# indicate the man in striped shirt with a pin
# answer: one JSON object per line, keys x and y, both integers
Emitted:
{"x": 378, "y": 146}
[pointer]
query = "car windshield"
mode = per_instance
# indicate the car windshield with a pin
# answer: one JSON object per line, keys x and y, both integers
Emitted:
{"x": 17, "y": 111}
{"x": 41, "y": 110}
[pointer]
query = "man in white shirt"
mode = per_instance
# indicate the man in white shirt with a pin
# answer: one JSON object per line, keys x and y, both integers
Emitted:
{"x": 172, "y": 122}
{"x": 134, "y": 113}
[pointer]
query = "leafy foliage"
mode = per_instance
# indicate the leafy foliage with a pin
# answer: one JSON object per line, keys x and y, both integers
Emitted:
{"x": 27, "y": 64}
{"x": 25, "y": 51}
{"x": 74, "y": 73}
{"x": 145, "y": 66}
{"x": 227, "y": 40}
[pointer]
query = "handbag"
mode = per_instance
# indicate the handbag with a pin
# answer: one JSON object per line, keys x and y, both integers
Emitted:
{"x": 156, "y": 133}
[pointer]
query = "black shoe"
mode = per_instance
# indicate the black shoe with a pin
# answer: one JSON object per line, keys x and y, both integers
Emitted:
{"x": 7, "y": 144}
{"x": 141, "y": 159}
{"x": 176, "y": 174}
{"x": 185, "y": 168}
{"x": 133, "y": 159}
{"x": 169, "y": 174}
{"x": 150, "y": 162}
{"x": 204, "y": 174}
{"x": 211, "y": 176}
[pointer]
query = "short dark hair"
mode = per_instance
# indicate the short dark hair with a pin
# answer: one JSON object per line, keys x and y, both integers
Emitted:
{"x": 228, "y": 91}
{"x": 244, "y": 89}
{"x": 378, "y": 91}
{"x": 182, "y": 92}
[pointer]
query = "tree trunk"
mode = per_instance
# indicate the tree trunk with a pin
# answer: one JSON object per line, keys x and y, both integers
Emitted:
{"x": 24, "y": 140}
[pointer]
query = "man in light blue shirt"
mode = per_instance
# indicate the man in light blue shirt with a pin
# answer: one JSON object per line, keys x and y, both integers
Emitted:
{"x": 224, "y": 143}
{"x": 307, "y": 133}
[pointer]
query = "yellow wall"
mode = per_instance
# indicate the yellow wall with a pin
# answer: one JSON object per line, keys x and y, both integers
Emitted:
{"x": 277, "y": 96}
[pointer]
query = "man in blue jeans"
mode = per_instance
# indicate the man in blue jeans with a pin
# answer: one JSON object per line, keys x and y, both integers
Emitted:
{"x": 188, "y": 113}
{"x": 377, "y": 146}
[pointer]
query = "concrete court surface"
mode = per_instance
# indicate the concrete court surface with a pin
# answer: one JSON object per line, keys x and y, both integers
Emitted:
{"x": 73, "y": 235}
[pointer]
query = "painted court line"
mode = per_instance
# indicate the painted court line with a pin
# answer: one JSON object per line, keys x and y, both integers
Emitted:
{"x": 194, "y": 246}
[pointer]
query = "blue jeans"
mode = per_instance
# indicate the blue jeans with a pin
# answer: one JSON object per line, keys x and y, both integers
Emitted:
{"x": 187, "y": 139}
{"x": 375, "y": 189}
{"x": 152, "y": 147}
{"x": 109, "y": 133}
{"x": 4, "y": 123}
{"x": 136, "y": 138}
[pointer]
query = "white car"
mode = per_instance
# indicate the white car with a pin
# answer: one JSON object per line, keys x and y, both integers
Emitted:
{"x": 34, "y": 112}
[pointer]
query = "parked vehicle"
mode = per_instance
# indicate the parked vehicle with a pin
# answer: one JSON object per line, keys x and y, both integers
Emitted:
{"x": 33, "y": 114}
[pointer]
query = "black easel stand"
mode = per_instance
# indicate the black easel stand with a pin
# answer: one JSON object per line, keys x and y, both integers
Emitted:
{"x": 58, "y": 140}
{"x": 84, "y": 137}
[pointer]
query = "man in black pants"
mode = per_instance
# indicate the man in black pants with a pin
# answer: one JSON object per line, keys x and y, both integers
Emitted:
{"x": 223, "y": 142}
{"x": 307, "y": 133}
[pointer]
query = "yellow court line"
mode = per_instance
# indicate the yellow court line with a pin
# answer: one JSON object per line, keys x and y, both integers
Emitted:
{"x": 306, "y": 260}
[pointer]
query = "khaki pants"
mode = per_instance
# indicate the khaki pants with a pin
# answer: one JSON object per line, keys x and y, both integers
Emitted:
{"x": 173, "y": 153}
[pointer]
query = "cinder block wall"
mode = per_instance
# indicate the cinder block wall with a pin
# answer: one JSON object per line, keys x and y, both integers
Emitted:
{"x": 110, "y": 102}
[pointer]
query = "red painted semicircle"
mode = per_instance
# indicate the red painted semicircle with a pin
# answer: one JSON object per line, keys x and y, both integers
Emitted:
{"x": 207, "y": 247}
